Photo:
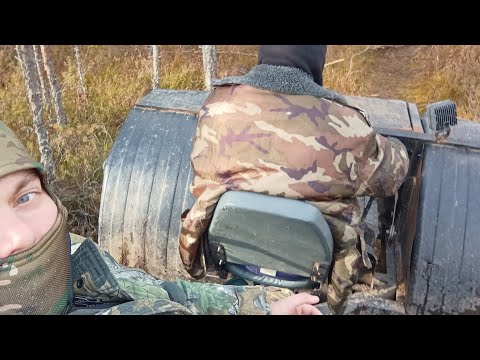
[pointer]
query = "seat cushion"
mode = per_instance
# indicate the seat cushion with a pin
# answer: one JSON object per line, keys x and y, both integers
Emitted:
{"x": 273, "y": 233}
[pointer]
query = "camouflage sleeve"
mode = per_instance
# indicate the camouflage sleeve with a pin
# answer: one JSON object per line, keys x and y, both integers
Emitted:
{"x": 215, "y": 299}
{"x": 384, "y": 167}
{"x": 196, "y": 222}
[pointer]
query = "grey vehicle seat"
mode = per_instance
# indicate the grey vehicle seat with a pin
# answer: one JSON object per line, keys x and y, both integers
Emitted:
{"x": 271, "y": 240}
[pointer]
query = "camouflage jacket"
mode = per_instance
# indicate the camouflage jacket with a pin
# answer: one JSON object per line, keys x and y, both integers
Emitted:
{"x": 276, "y": 132}
{"x": 104, "y": 287}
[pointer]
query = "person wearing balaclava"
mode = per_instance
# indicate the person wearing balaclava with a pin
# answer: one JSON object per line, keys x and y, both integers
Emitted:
{"x": 34, "y": 246}
{"x": 38, "y": 275}
{"x": 278, "y": 131}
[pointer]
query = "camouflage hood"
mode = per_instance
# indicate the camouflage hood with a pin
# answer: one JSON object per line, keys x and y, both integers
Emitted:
{"x": 14, "y": 156}
{"x": 283, "y": 80}
{"x": 35, "y": 281}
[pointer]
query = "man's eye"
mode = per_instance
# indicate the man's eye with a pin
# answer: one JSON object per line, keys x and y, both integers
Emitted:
{"x": 26, "y": 198}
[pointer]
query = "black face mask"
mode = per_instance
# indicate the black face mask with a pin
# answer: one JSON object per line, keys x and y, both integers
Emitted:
{"x": 309, "y": 58}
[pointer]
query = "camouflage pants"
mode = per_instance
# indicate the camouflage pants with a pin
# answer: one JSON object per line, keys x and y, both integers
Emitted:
{"x": 343, "y": 219}
{"x": 344, "y": 275}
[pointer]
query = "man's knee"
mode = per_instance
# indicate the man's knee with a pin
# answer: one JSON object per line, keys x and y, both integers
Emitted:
{"x": 346, "y": 262}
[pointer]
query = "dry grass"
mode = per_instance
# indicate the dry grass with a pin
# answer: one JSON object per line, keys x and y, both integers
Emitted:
{"x": 449, "y": 72}
{"x": 345, "y": 76}
{"x": 118, "y": 76}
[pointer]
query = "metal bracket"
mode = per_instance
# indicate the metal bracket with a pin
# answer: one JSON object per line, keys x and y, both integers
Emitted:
{"x": 219, "y": 258}
{"x": 391, "y": 232}
{"x": 319, "y": 272}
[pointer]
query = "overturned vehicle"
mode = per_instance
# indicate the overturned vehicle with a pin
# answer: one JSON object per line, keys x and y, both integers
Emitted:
{"x": 427, "y": 248}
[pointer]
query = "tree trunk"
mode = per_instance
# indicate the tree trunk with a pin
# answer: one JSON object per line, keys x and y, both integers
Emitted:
{"x": 45, "y": 95}
{"x": 156, "y": 67}
{"x": 80, "y": 70}
{"x": 26, "y": 56}
{"x": 56, "y": 93}
{"x": 209, "y": 54}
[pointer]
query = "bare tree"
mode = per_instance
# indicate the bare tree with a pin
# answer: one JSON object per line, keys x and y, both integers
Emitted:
{"x": 80, "y": 70}
{"x": 209, "y": 55}
{"x": 156, "y": 67}
{"x": 45, "y": 95}
{"x": 56, "y": 93}
{"x": 26, "y": 57}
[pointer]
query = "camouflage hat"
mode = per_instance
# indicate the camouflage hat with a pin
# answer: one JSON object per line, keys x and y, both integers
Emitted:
{"x": 14, "y": 156}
